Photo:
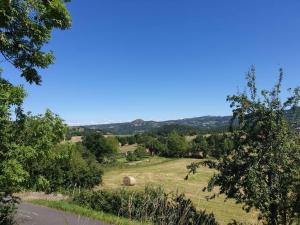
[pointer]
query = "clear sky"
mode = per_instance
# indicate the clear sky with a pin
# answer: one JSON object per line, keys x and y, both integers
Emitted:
{"x": 164, "y": 59}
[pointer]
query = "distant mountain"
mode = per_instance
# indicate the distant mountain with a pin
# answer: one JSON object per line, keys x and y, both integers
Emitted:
{"x": 200, "y": 123}
{"x": 141, "y": 126}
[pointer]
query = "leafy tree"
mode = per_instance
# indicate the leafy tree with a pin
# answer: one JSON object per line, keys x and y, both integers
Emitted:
{"x": 112, "y": 144}
{"x": 262, "y": 170}
{"x": 140, "y": 152}
{"x": 70, "y": 165}
{"x": 183, "y": 130}
{"x": 228, "y": 145}
{"x": 122, "y": 140}
{"x": 12, "y": 173}
{"x": 177, "y": 145}
{"x": 155, "y": 146}
{"x": 142, "y": 138}
{"x": 25, "y": 26}
{"x": 38, "y": 137}
{"x": 100, "y": 146}
{"x": 131, "y": 157}
{"x": 131, "y": 140}
{"x": 200, "y": 145}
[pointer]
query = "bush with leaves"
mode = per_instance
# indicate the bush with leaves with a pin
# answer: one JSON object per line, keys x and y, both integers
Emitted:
{"x": 151, "y": 204}
{"x": 8, "y": 209}
{"x": 262, "y": 170}
{"x": 104, "y": 149}
{"x": 199, "y": 147}
{"x": 138, "y": 154}
{"x": 70, "y": 166}
{"x": 177, "y": 145}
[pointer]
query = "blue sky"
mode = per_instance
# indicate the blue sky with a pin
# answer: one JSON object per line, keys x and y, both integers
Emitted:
{"x": 164, "y": 59}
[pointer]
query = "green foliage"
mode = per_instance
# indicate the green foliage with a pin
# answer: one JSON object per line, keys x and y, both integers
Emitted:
{"x": 138, "y": 154}
{"x": 182, "y": 130}
{"x": 262, "y": 170}
{"x": 176, "y": 144}
{"x": 25, "y": 26}
{"x": 7, "y": 209}
{"x": 152, "y": 204}
{"x": 31, "y": 156}
{"x": 123, "y": 140}
{"x": 82, "y": 211}
{"x": 112, "y": 144}
{"x": 199, "y": 146}
{"x": 189, "y": 126}
{"x": 103, "y": 148}
{"x": 131, "y": 140}
{"x": 131, "y": 157}
{"x": 79, "y": 131}
{"x": 36, "y": 139}
{"x": 155, "y": 146}
{"x": 143, "y": 138}
{"x": 69, "y": 166}
{"x": 214, "y": 145}
{"x": 12, "y": 173}
{"x": 13, "y": 176}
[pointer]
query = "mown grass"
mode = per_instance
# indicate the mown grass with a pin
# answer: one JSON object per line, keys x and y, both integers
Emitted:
{"x": 170, "y": 174}
{"x": 128, "y": 148}
{"x": 78, "y": 210}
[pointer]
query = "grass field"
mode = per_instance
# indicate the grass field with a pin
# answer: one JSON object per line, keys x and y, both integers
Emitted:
{"x": 72, "y": 208}
{"x": 128, "y": 148}
{"x": 170, "y": 173}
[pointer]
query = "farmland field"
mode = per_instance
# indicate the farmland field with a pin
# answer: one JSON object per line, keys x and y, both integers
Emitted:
{"x": 128, "y": 148}
{"x": 170, "y": 174}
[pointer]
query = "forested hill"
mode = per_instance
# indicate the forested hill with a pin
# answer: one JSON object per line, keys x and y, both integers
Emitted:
{"x": 140, "y": 126}
{"x": 201, "y": 123}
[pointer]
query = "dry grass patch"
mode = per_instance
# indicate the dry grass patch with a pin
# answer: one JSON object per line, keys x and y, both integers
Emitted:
{"x": 170, "y": 174}
{"x": 128, "y": 148}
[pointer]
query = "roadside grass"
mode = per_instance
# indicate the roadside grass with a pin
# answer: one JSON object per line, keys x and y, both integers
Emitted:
{"x": 170, "y": 174}
{"x": 78, "y": 210}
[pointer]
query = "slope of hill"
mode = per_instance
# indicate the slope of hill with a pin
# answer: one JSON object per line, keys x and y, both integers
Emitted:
{"x": 201, "y": 123}
{"x": 140, "y": 126}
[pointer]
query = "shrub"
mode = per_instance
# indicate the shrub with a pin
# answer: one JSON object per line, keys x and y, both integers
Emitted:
{"x": 103, "y": 148}
{"x": 131, "y": 157}
{"x": 176, "y": 144}
{"x": 151, "y": 204}
{"x": 138, "y": 154}
{"x": 8, "y": 208}
{"x": 70, "y": 166}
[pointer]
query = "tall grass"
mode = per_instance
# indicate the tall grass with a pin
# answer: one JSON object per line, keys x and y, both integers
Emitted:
{"x": 82, "y": 211}
{"x": 152, "y": 204}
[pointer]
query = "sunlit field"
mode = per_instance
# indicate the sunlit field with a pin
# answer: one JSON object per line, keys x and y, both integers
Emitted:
{"x": 170, "y": 174}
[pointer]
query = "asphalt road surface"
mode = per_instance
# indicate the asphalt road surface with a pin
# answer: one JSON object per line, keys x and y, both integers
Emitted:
{"x": 29, "y": 214}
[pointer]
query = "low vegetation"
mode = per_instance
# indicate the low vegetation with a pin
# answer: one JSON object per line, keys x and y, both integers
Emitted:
{"x": 83, "y": 211}
{"x": 170, "y": 174}
{"x": 151, "y": 204}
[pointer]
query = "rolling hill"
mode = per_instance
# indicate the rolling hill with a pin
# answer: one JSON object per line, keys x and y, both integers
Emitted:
{"x": 141, "y": 126}
{"x": 200, "y": 123}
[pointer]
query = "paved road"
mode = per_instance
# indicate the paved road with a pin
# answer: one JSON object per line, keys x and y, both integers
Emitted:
{"x": 29, "y": 214}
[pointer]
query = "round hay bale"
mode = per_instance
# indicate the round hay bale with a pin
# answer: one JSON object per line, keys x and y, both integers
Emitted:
{"x": 129, "y": 181}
